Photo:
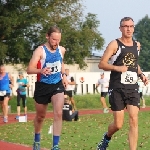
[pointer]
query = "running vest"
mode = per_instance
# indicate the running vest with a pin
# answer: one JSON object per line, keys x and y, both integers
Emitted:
{"x": 38, "y": 67}
{"x": 54, "y": 61}
{"x": 4, "y": 84}
{"x": 128, "y": 56}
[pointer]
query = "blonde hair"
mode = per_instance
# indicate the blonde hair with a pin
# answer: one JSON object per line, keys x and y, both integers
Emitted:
{"x": 53, "y": 29}
{"x": 66, "y": 98}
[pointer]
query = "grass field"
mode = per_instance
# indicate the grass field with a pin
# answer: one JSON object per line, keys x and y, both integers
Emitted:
{"x": 82, "y": 101}
{"x": 82, "y": 135}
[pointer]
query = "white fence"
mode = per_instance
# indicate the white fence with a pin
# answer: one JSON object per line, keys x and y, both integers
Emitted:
{"x": 88, "y": 86}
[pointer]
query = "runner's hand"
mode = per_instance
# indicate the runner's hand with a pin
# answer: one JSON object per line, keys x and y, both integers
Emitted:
{"x": 121, "y": 68}
{"x": 144, "y": 80}
{"x": 46, "y": 71}
{"x": 64, "y": 81}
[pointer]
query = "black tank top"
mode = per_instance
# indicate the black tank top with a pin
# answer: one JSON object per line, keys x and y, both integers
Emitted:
{"x": 125, "y": 55}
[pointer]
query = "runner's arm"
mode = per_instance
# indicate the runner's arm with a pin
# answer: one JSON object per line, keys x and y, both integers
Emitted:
{"x": 139, "y": 68}
{"x": 64, "y": 77}
{"x": 110, "y": 50}
{"x": 139, "y": 71}
{"x": 63, "y": 50}
{"x": 32, "y": 67}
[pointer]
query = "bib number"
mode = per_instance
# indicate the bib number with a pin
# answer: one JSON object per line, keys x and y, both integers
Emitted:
{"x": 22, "y": 89}
{"x": 128, "y": 77}
{"x": 2, "y": 93}
{"x": 55, "y": 67}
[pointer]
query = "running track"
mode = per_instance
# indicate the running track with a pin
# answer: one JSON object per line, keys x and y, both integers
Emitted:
{"x": 12, "y": 146}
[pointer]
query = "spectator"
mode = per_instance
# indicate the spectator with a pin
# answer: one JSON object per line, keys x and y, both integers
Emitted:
{"x": 68, "y": 112}
{"x": 5, "y": 79}
{"x": 21, "y": 94}
{"x": 70, "y": 88}
{"x": 104, "y": 83}
{"x": 141, "y": 93}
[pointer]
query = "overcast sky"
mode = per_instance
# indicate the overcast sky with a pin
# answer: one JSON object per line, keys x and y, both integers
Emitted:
{"x": 110, "y": 12}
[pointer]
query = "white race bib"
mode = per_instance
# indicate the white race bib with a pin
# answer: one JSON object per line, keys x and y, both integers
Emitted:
{"x": 55, "y": 67}
{"x": 20, "y": 83}
{"x": 2, "y": 93}
{"x": 129, "y": 77}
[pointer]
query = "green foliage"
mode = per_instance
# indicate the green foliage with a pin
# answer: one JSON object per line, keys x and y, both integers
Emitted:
{"x": 23, "y": 26}
{"x": 142, "y": 34}
{"x": 81, "y": 40}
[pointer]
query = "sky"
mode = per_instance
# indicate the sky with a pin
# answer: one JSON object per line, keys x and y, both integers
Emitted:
{"x": 110, "y": 12}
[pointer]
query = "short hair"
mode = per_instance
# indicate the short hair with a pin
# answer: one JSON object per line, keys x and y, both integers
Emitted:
{"x": 66, "y": 99}
{"x": 125, "y": 19}
{"x": 102, "y": 73}
{"x": 65, "y": 96}
{"x": 53, "y": 29}
{"x": 20, "y": 73}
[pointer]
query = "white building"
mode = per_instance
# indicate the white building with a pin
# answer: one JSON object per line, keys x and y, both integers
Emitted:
{"x": 91, "y": 74}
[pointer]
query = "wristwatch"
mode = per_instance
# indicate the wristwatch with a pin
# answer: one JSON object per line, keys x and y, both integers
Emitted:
{"x": 140, "y": 75}
{"x": 64, "y": 74}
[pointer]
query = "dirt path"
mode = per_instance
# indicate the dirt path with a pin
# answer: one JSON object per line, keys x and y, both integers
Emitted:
{"x": 12, "y": 146}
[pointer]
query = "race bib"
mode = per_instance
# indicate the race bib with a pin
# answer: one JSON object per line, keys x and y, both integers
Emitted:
{"x": 22, "y": 89}
{"x": 55, "y": 67}
{"x": 129, "y": 77}
{"x": 2, "y": 93}
{"x": 20, "y": 83}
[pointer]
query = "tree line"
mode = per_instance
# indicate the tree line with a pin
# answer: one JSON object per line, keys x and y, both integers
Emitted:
{"x": 23, "y": 25}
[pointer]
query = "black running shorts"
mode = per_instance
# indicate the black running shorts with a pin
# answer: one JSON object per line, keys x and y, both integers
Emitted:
{"x": 43, "y": 91}
{"x": 69, "y": 93}
{"x": 120, "y": 98}
{"x": 2, "y": 97}
{"x": 104, "y": 94}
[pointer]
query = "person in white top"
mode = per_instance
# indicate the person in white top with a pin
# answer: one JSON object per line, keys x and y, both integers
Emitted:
{"x": 104, "y": 83}
{"x": 70, "y": 88}
{"x": 141, "y": 86}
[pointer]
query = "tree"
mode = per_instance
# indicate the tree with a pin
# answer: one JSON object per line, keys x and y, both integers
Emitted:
{"x": 79, "y": 41}
{"x": 142, "y": 34}
{"x": 23, "y": 25}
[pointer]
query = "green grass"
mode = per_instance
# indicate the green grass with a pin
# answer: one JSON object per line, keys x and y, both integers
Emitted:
{"x": 82, "y": 101}
{"x": 82, "y": 135}
{"x": 88, "y": 101}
